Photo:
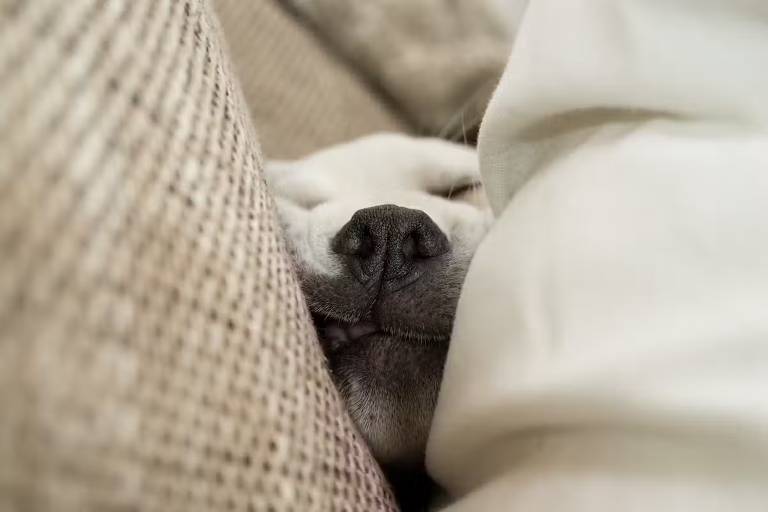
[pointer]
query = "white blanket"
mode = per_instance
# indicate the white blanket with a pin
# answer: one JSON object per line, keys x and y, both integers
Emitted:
{"x": 611, "y": 343}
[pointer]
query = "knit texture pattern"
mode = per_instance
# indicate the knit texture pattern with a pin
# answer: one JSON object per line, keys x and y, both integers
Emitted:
{"x": 155, "y": 351}
{"x": 438, "y": 60}
{"x": 302, "y": 96}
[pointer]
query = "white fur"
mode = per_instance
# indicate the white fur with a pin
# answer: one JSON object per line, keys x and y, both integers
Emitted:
{"x": 317, "y": 195}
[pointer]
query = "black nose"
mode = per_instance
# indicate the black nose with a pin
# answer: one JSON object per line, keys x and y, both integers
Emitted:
{"x": 389, "y": 241}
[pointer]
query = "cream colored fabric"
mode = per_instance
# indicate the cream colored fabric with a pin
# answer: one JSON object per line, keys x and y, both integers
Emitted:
{"x": 611, "y": 342}
{"x": 302, "y": 97}
{"x": 155, "y": 352}
{"x": 439, "y": 60}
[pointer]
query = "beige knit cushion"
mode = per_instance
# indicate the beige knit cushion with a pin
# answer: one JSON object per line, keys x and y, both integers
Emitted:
{"x": 439, "y": 60}
{"x": 301, "y": 96}
{"x": 155, "y": 353}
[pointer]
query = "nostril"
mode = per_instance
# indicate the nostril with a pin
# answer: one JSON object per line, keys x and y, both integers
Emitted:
{"x": 409, "y": 248}
{"x": 430, "y": 242}
{"x": 364, "y": 248}
{"x": 417, "y": 245}
{"x": 431, "y": 247}
{"x": 354, "y": 239}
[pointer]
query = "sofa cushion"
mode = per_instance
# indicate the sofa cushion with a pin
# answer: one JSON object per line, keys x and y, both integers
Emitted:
{"x": 155, "y": 351}
{"x": 301, "y": 95}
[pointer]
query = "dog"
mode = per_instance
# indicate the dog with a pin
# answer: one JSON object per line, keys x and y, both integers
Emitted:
{"x": 382, "y": 230}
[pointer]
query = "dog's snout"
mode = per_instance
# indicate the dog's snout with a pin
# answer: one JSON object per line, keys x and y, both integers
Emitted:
{"x": 388, "y": 240}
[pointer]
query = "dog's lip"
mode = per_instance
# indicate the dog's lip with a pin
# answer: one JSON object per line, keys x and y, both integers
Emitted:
{"x": 352, "y": 331}
{"x": 335, "y": 332}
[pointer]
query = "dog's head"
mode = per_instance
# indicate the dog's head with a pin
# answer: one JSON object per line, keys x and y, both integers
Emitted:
{"x": 382, "y": 230}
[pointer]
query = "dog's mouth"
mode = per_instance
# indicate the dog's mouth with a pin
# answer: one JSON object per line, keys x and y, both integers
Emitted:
{"x": 335, "y": 334}
{"x": 388, "y": 382}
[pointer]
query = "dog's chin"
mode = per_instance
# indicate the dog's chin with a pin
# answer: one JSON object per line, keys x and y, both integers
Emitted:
{"x": 389, "y": 381}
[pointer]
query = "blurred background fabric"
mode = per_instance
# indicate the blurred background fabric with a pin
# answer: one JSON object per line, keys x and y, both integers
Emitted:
{"x": 438, "y": 61}
{"x": 302, "y": 95}
{"x": 155, "y": 351}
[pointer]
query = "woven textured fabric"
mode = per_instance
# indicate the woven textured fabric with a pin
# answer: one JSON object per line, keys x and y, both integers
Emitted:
{"x": 155, "y": 351}
{"x": 439, "y": 60}
{"x": 301, "y": 96}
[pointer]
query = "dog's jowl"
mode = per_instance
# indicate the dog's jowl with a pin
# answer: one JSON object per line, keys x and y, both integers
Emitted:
{"x": 382, "y": 230}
